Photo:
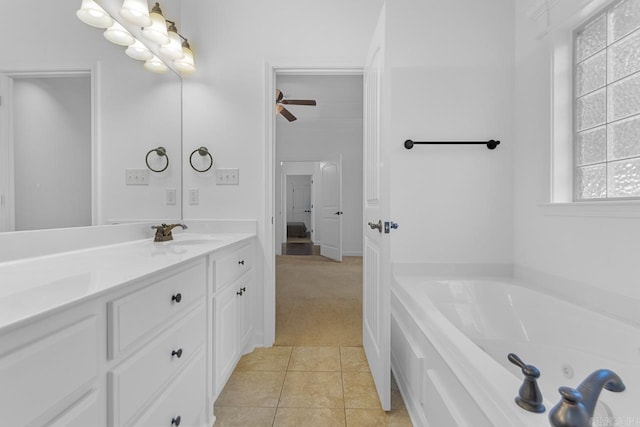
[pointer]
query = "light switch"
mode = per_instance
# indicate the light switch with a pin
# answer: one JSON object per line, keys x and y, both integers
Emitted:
{"x": 194, "y": 196}
{"x": 137, "y": 176}
{"x": 227, "y": 176}
{"x": 171, "y": 196}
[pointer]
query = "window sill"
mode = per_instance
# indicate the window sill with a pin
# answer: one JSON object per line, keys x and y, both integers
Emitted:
{"x": 611, "y": 209}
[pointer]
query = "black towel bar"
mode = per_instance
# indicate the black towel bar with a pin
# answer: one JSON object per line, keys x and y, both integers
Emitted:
{"x": 491, "y": 144}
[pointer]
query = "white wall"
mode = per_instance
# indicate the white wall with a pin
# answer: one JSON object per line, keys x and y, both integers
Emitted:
{"x": 137, "y": 110}
{"x": 52, "y": 152}
{"x": 224, "y": 105}
{"x": 593, "y": 252}
{"x": 451, "y": 72}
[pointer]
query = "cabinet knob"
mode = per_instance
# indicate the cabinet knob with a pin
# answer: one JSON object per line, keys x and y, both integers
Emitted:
{"x": 177, "y": 297}
{"x": 175, "y": 421}
{"x": 241, "y": 262}
{"x": 177, "y": 353}
{"x": 239, "y": 292}
{"x": 243, "y": 289}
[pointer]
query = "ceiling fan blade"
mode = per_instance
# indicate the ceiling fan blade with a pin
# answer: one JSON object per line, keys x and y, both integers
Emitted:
{"x": 279, "y": 108}
{"x": 279, "y": 95}
{"x": 287, "y": 115}
{"x": 299, "y": 101}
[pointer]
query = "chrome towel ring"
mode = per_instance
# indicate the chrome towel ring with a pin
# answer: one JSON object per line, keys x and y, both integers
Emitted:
{"x": 160, "y": 151}
{"x": 203, "y": 151}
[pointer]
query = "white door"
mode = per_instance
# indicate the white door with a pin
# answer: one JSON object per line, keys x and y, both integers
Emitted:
{"x": 302, "y": 204}
{"x": 331, "y": 208}
{"x": 376, "y": 302}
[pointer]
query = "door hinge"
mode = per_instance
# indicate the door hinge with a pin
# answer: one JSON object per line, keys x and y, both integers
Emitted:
{"x": 272, "y": 220}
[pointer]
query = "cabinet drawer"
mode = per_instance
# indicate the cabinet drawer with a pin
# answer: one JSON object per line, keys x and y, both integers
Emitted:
{"x": 47, "y": 372}
{"x": 232, "y": 266}
{"x": 184, "y": 399}
{"x": 84, "y": 413}
{"x": 133, "y": 383}
{"x": 132, "y": 317}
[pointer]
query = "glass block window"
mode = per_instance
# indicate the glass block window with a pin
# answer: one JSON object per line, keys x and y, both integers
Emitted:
{"x": 607, "y": 104}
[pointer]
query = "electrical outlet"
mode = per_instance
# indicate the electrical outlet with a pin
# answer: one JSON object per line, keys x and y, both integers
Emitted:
{"x": 136, "y": 176}
{"x": 227, "y": 176}
{"x": 194, "y": 196}
{"x": 171, "y": 196}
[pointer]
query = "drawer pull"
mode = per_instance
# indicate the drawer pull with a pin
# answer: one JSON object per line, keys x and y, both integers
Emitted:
{"x": 177, "y": 297}
{"x": 177, "y": 353}
{"x": 175, "y": 421}
{"x": 241, "y": 262}
{"x": 240, "y": 292}
{"x": 243, "y": 289}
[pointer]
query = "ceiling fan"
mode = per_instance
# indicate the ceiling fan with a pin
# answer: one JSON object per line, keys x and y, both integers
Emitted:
{"x": 286, "y": 113}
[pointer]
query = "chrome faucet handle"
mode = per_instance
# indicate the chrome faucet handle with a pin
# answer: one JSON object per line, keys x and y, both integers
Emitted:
{"x": 529, "y": 396}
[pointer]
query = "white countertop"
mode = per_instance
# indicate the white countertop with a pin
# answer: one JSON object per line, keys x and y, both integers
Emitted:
{"x": 33, "y": 287}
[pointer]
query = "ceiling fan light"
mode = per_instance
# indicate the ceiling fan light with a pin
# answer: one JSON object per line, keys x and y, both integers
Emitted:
{"x": 139, "y": 51}
{"x": 155, "y": 65}
{"x": 92, "y": 14}
{"x": 185, "y": 65}
{"x": 119, "y": 35}
{"x": 157, "y": 31}
{"x": 136, "y": 12}
{"x": 173, "y": 50}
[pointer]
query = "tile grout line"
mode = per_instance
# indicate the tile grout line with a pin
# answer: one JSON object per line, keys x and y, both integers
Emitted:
{"x": 282, "y": 387}
{"x": 344, "y": 400}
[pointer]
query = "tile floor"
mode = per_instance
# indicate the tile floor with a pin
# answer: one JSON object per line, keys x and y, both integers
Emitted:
{"x": 317, "y": 373}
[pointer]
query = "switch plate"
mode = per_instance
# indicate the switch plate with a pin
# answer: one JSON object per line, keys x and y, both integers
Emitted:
{"x": 194, "y": 196}
{"x": 136, "y": 176}
{"x": 227, "y": 176}
{"x": 171, "y": 196}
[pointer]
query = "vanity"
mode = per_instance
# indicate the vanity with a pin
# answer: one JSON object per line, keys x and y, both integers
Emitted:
{"x": 129, "y": 333}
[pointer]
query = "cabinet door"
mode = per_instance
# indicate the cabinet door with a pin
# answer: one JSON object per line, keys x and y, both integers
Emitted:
{"x": 225, "y": 344}
{"x": 245, "y": 311}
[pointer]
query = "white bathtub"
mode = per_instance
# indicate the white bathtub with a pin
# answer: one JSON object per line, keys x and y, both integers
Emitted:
{"x": 450, "y": 340}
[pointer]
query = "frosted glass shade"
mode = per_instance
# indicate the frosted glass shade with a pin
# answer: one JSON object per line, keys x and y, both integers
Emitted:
{"x": 92, "y": 14}
{"x": 139, "y": 51}
{"x": 136, "y": 12}
{"x": 173, "y": 50}
{"x": 157, "y": 31}
{"x": 155, "y": 65}
{"x": 185, "y": 65}
{"x": 119, "y": 35}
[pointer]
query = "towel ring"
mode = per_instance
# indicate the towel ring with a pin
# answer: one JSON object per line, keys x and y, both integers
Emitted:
{"x": 203, "y": 151}
{"x": 160, "y": 151}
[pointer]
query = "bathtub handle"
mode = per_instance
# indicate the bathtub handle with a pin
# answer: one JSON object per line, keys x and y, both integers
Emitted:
{"x": 529, "y": 396}
{"x": 378, "y": 226}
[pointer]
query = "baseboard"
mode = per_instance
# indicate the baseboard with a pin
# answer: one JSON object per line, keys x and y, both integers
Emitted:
{"x": 351, "y": 253}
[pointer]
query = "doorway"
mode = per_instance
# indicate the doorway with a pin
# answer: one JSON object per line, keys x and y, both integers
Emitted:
{"x": 321, "y": 148}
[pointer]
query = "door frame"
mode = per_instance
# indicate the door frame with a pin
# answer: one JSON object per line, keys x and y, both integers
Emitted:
{"x": 7, "y": 216}
{"x": 268, "y": 229}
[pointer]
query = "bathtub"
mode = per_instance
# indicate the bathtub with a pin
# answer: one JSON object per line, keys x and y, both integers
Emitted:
{"x": 449, "y": 346}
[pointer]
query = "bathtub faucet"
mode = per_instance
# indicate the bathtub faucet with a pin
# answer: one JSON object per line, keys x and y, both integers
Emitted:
{"x": 163, "y": 231}
{"x": 529, "y": 397}
{"x": 577, "y": 405}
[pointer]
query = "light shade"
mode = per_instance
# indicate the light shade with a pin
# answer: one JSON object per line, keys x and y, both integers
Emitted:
{"x": 119, "y": 35}
{"x": 185, "y": 65}
{"x": 136, "y": 12}
{"x": 92, "y": 14}
{"x": 157, "y": 31}
{"x": 155, "y": 65}
{"x": 173, "y": 50}
{"x": 139, "y": 51}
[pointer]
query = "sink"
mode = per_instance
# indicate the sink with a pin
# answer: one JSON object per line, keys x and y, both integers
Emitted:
{"x": 190, "y": 242}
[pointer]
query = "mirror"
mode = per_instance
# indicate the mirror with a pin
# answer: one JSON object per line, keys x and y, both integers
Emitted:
{"x": 131, "y": 112}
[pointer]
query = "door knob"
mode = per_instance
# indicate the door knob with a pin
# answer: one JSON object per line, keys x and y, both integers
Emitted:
{"x": 376, "y": 226}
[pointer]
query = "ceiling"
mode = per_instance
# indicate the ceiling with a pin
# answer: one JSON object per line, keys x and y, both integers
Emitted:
{"x": 339, "y": 98}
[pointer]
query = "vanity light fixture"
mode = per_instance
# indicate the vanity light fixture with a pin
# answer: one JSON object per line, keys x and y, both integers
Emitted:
{"x": 92, "y": 14}
{"x": 119, "y": 35}
{"x": 155, "y": 65}
{"x": 157, "y": 31}
{"x": 174, "y": 48}
{"x": 138, "y": 51}
{"x": 136, "y": 12}
{"x": 185, "y": 65}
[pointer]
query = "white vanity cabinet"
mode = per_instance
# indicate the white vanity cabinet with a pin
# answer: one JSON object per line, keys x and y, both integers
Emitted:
{"x": 232, "y": 304}
{"x": 49, "y": 370}
{"x": 157, "y": 337}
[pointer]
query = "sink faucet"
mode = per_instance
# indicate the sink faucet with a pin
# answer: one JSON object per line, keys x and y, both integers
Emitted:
{"x": 163, "y": 231}
{"x": 577, "y": 405}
